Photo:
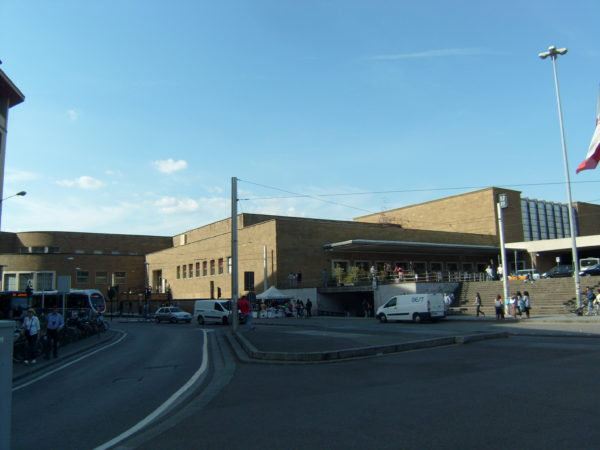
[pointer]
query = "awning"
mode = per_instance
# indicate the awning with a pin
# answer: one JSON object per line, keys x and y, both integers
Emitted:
{"x": 377, "y": 246}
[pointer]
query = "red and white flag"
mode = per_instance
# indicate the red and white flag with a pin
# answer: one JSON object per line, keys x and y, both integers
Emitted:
{"x": 593, "y": 154}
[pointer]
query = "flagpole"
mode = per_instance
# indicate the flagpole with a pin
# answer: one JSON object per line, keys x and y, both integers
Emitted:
{"x": 553, "y": 52}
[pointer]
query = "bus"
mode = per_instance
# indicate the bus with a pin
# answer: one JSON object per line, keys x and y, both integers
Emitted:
{"x": 14, "y": 304}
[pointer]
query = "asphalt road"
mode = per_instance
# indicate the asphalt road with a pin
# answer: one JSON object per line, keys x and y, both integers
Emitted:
{"x": 94, "y": 400}
{"x": 520, "y": 392}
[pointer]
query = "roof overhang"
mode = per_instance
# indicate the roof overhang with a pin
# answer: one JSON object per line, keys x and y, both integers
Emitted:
{"x": 549, "y": 245}
{"x": 377, "y": 246}
{"x": 10, "y": 91}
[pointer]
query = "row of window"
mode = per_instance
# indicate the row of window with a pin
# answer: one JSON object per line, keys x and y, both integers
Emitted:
{"x": 28, "y": 250}
{"x": 203, "y": 269}
{"x": 545, "y": 220}
{"x": 46, "y": 281}
{"x": 412, "y": 266}
{"x": 83, "y": 277}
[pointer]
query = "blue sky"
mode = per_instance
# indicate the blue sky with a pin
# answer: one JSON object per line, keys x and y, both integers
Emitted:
{"x": 138, "y": 113}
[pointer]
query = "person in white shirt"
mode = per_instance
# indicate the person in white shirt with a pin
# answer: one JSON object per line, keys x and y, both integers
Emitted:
{"x": 31, "y": 325}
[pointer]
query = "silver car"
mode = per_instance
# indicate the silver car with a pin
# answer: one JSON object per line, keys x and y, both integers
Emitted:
{"x": 172, "y": 314}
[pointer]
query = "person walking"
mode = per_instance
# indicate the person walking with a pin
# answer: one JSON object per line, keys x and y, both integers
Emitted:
{"x": 308, "y": 308}
{"x": 31, "y": 325}
{"x": 478, "y": 305}
{"x": 244, "y": 306}
{"x": 526, "y": 303}
{"x": 499, "y": 307}
{"x": 55, "y": 324}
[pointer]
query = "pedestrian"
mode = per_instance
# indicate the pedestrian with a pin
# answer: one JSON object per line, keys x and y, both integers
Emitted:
{"x": 244, "y": 307}
{"x": 31, "y": 325}
{"x": 54, "y": 326}
{"x": 365, "y": 307}
{"x": 308, "y": 308}
{"x": 513, "y": 305}
{"x": 369, "y": 309}
{"x": 590, "y": 297}
{"x": 520, "y": 304}
{"x": 499, "y": 271}
{"x": 299, "y": 309}
{"x": 527, "y": 303}
{"x": 499, "y": 307}
{"x": 489, "y": 273}
{"x": 478, "y": 305}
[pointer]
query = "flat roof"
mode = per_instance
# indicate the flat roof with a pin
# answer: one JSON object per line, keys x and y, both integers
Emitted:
{"x": 9, "y": 90}
{"x": 377, "y": 246}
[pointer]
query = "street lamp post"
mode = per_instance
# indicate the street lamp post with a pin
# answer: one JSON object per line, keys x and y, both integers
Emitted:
{"x": 553, "y": 53}
{"x": 20, "y": 193}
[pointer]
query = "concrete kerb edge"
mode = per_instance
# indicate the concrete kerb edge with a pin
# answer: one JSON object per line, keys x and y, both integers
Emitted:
{"x": 253, "y": 353}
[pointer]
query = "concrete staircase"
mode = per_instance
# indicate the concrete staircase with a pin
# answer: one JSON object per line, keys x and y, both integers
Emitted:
{"x": 548, "y": 296}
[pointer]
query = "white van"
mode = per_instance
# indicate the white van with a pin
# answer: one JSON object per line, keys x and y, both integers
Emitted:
{"x": 218, "y": 311}
{"x": 414, "y": 307}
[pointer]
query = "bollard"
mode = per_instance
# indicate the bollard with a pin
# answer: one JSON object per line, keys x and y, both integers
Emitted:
{"x": 7, "y": 328}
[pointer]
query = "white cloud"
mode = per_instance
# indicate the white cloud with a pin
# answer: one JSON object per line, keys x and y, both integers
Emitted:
{"x": 73, "y": 114}
{"x": 432, "y": 54}
{"x": 115, "y": 173}
{"x": 169, "y": 166}
{"x": 172, "y": 205}
{"x": 15, "y": 175}
{"x": 83, "y": 182}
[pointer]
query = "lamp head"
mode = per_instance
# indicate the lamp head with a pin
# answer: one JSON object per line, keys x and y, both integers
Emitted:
{"x": 22, "y": 193}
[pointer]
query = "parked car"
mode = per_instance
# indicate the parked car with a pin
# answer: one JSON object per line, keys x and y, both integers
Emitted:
{"x": 590, "y": 270}
{"x": 564, "y": 270}
{"x": 522, "y": 274}
{"x": 172, "y": 314}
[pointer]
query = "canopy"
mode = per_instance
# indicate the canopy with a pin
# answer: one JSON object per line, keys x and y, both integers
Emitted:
{"x": 272, "y": 294}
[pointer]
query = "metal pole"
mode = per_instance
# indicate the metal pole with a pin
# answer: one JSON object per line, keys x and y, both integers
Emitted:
{"x": 265, "y": 278}
{"x": 553, "y": 52}
{"x": 502, "y": 251}
{"x": 234, "y": 254}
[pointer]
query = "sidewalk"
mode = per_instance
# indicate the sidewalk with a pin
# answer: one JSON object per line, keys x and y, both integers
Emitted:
{"x": 65, "y": 354}
{"x": 321, "y": 339}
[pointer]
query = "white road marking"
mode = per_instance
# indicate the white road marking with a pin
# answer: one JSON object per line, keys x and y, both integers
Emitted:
{"x": 70, "y": 363}
{"x": 162, "y": 408}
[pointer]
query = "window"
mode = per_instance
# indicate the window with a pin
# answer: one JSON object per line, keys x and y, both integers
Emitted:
{"x": 212, "y": 266}
{"x": 101, "y": 277}
{"x": 45, "y": 281}
{"x": 115, "y": 252}
{"x": 10, "y": 282}
{"x": 79, "y": 252}
{"x": 248, "y": 281}
{"x": 120, "y": 277}
{"x": 191, "y": 271}
{"x": 197, "y": 270}
{"x": 178, "y": 272}
{"x": 204, "y": 268}
{"x": 220, "y": 266}
{"x": 38, "y": 249}
{"x": 53, "y": 250}
{"x": 183, "y": 239}
{"x": 436, "y": 266}
{"x": 184, "y": 267}
{"x": 98, "y": 252}
{"x": 24, "y": 250}
{"x": 229, "y": 264}
{"x": 83, "y": 277}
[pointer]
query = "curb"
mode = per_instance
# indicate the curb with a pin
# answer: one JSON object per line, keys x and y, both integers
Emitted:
{"x": 248, "y": 353}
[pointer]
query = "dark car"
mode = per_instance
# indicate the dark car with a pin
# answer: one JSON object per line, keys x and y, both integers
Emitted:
{"x": 590, "y": 270}
{"x": 565, "y": 270}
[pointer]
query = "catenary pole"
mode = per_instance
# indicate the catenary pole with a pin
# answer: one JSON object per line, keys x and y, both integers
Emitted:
{"x": 234, "y": 254}
{"x": 553, "y": 52}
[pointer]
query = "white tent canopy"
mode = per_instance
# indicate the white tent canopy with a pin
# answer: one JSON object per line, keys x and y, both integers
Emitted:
{"x": 272, "y": 294}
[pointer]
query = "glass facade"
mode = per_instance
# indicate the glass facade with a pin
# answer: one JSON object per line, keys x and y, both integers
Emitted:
{"x": 545, "y": 220}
